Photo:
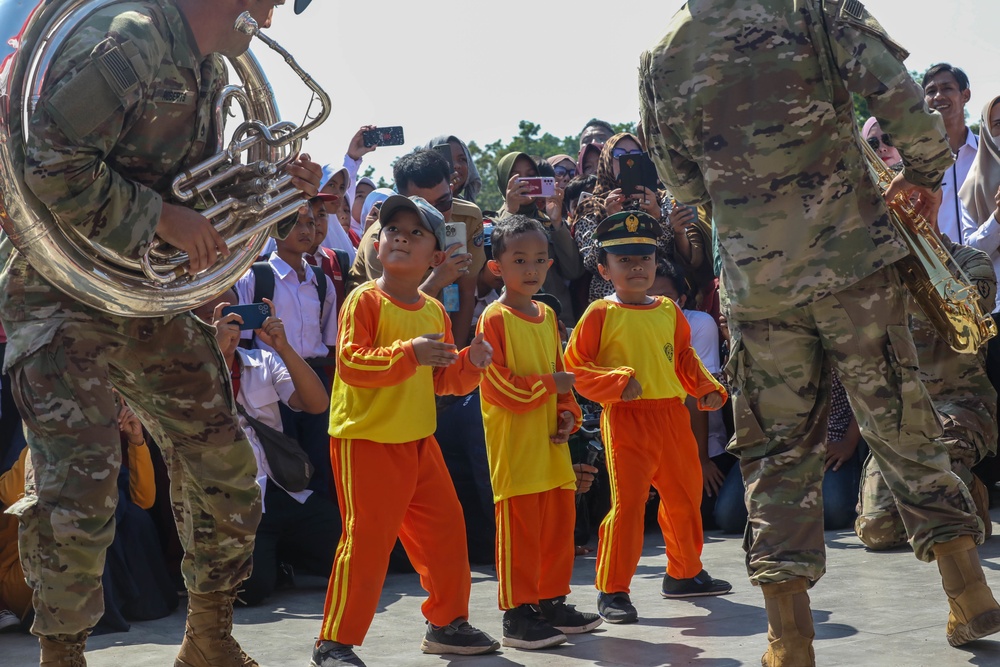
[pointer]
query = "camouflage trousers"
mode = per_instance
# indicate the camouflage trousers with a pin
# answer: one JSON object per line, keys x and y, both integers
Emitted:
{"x": 172, "y": 374}
{"x": 781, "y": 375}
{"x": 879, "y": 525}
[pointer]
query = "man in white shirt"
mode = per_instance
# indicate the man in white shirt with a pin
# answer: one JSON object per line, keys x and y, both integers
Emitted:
{"x": 946, "y": 90}
{"x": 298, "y": 528}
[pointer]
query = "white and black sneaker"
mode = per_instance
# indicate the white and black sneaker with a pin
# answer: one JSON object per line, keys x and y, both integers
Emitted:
{"x": 335, "y": 654}
{"x": 616, "y": 608}
{"x": 565, "y": 618}
{"x": 525, "y": 627}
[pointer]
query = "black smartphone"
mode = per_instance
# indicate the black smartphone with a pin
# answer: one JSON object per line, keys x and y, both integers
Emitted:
{"x": 253, "y": 314}
{"x": 383, "y": 136}
{"x": 444, "y": 150}
{"x": 636, "y": 171}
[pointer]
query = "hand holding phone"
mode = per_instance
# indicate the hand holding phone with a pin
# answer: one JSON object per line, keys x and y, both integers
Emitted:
{"x": 636, "y": 172}
{"x": 383, "y": 136}
{"x": 538, "y": 186}
{"x": 253, "y": 314}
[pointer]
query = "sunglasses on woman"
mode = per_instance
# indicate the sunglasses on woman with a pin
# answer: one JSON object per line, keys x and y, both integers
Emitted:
{"x": 874, "y": 142}
{"x": 564, "y": 171}
{"x": 619, "y": 152}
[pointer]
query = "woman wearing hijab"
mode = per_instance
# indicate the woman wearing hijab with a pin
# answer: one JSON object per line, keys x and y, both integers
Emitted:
{"x": 566, "y": 264}
{"x": 369, "y": 210}
{"x": 981, "y": 191}
{"x": 469, "y": 183}
{"x": 609, "y": 199}
{"x": 565, "y": 168}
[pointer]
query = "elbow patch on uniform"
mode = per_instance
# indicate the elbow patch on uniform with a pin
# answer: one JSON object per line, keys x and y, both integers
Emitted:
{"x": 104, "y": 85}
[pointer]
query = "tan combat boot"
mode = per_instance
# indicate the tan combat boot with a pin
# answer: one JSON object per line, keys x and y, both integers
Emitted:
{"x": 789, "y": 624}
{"x": 974, "y": 611}
{"x": 208, "y": 637}
{"x": 63, "y": 651}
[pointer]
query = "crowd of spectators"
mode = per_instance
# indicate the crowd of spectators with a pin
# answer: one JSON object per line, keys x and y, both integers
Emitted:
{"x": 282, "y": 374}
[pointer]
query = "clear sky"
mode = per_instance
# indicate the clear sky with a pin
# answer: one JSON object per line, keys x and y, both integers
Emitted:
{"x": 474, "y": 69}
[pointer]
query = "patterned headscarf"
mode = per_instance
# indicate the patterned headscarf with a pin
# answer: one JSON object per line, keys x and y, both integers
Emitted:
{"x": 606, "y": 181}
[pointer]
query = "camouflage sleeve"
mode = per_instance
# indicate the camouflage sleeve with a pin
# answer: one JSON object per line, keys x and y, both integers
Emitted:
{"x": 679, "y": 173}
{"x": 96, "y": 86}
{"x": 871, "y": 64}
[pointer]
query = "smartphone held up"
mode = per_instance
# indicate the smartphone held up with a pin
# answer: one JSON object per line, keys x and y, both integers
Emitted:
{"x": 253, "y": 314}
{"x": 539, "y": 186}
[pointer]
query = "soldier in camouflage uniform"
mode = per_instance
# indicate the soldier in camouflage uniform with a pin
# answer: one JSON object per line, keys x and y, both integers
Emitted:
{"x": 127, "y": 105}
{"x": 747, "y": 104}
{"x": 966, "y": 404}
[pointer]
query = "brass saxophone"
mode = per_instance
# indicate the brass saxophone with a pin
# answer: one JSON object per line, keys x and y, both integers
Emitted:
{"x": 940, "y": 287}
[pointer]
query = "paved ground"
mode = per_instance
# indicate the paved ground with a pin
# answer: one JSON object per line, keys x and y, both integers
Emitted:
{"x": 871, "y": 609}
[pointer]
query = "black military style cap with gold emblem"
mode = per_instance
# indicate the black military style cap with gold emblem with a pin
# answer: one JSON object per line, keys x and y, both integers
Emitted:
{"x": 628, "y": 233}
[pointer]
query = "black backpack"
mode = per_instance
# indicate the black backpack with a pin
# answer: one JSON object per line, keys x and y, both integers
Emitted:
{"x": 263, "y": 288}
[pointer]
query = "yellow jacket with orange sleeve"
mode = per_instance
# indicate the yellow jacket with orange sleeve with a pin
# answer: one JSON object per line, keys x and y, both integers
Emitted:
{"x": 380, "y": 392}
{"x": 520, "y": 405}
{"x": 614, "y": 342}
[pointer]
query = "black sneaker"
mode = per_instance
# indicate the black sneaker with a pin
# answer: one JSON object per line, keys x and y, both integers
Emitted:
{"x": 699, "y": 585}
{"x": 565, "y": 618}
{"x": 525, "y": 627}
{"x": 335, "y": 654}
{"x": 457, "y": 637}
{"x": 616, "y": 608}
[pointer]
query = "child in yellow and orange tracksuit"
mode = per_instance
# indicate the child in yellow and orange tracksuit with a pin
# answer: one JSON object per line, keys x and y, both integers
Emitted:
{"x": 394, "y": 352}
{"x": 632, "y": 354}
{"x": 529, "y": 412}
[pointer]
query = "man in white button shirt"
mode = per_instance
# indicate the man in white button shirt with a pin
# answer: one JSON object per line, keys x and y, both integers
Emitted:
{"x": 297, "y": 528}
{"x": 946, "y": 90}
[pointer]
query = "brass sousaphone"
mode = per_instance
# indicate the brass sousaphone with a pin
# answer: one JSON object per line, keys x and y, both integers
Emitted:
{"x": 241, "y": 188}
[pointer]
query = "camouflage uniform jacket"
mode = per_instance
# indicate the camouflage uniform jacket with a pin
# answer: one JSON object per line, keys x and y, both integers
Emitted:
{"x": 747, "y": 104}
{"x": 126, "y": 106}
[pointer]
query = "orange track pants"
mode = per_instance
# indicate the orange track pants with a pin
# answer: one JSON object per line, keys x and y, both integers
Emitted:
{"x": 385, "y": 491}
{"x": 649, "y": 442}
{"x": 535, "y": 548}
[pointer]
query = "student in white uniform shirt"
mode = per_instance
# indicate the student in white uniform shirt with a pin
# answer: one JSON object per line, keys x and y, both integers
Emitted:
{"x": 310, "y": 327}
{"x": 300, "y": 529}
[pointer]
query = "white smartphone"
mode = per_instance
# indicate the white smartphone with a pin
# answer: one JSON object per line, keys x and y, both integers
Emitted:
{"x": 539, "y": 186}
{"x": 454, "y": 232}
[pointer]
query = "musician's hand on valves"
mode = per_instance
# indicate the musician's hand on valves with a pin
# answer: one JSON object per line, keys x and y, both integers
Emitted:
{"x": 189, "y": 231}
{"x": 613, "y": 202}
{"x": 926, "y": 203}
{"x": 306, "y": 175}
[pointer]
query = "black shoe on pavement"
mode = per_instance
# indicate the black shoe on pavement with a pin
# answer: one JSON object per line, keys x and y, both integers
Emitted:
{"x": 700, "y": 585}
{"x": 616, "y": 608}
{"x": 525, "y": 627}
{"x": 458, "y": 637}
{"x": 335, "y": 654}
{"x": 565, "y": 618}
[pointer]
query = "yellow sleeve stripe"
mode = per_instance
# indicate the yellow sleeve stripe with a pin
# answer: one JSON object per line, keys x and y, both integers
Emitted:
{"x": 512, "y": 392}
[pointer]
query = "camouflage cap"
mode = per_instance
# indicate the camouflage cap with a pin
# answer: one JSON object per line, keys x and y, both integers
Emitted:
{"x": 979, "y": 269}
{"x": 628, "y": 233}
{"x": 430, "y": 217}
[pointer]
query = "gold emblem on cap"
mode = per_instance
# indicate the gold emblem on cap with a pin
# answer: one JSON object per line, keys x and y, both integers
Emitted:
{"x": 632, "y": 224}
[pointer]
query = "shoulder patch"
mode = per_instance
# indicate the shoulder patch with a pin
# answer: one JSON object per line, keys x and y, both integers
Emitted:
{"x": 478, "y": 240}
